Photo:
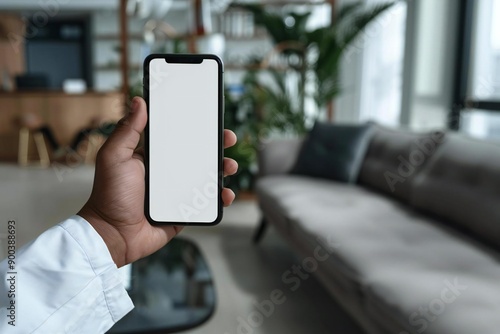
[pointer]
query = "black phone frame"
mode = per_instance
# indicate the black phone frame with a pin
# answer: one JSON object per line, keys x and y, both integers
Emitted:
{"x": 186, "y": 59}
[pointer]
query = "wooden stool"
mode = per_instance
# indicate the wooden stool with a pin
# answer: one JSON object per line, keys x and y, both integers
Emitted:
{"x": 43, "y": 154}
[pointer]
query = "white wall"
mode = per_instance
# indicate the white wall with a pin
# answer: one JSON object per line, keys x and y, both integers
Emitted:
{"x": 425, "y": 79}
{"x": 371, "y": 71}
{"x": 430, "y": 79}
{"x": 347, "y": 105}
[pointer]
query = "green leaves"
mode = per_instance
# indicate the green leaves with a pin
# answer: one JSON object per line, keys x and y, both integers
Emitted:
{"x": 323, "y": 48}
{"x": 314, "y": 57}
{"x": 271, "y": 101}
{"x": 274, "y": 98}
{"x": 357, "y": 20}
{"x": 289, "y": 27}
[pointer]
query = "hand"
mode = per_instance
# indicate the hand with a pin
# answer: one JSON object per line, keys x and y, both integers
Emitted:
{"x": 116, "y": 206}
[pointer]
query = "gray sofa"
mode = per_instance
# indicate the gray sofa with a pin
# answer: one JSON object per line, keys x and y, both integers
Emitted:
{"x": 413, "y": 246}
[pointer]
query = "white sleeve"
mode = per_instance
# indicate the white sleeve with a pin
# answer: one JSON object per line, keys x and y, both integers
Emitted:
{"x": 65, "y": 281}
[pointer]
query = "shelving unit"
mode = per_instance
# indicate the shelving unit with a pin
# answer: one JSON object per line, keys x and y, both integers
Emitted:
{"x": 116, "y": 67}
{"x": 116, "y": 37}
{"x": 279, "y": 3}
{"x": 106, "y": 50}
{"x": 241, "y": 44}
{"x": 239, "y": 49}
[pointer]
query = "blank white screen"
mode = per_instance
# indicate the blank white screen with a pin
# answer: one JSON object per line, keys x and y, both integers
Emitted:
{"x": 183, "y": 142}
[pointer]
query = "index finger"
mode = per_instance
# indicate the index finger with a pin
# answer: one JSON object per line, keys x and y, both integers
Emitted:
{"x": 229, "y": 138}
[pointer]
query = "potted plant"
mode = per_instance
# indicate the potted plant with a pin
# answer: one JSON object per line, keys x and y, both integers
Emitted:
{"x": 313, "y": 58}
{"x": 318, "y": 52}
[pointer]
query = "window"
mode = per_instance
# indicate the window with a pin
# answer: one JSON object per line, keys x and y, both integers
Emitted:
{"x": 478, "y": 113}
{"x": 484, "y": 124}
{"x": 381, "y": 87}
{"x": 372, "y": 70}
{"x": 485, "y": 73}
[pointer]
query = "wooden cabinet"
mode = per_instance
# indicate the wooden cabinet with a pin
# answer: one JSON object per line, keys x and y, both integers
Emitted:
{"x": 11, "y": 47}
{"x": 65, "y": 114}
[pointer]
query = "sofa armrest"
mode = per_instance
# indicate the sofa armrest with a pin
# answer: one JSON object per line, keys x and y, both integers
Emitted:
{"x": 278, "y": 156}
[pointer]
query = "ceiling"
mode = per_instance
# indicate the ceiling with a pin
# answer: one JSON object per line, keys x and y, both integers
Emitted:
{"x": 51, "y": 6}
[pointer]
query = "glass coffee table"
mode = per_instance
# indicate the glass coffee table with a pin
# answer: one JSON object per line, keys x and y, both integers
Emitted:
{"x": 172, "y": 290}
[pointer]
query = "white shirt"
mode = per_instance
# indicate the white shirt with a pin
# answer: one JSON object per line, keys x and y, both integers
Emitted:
{"x": 65, "y": 281}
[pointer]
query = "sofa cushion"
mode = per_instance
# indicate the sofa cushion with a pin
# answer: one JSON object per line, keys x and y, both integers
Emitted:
{"x": 461, "y": 184}
{"x": 286, "y": 196}
{"x": 333, "y": 151}
{"x": 394, "y": 157}
{"x": 448, "y": 299}
{"x": 286, "y": 199}
{"x": 398, "y": 259}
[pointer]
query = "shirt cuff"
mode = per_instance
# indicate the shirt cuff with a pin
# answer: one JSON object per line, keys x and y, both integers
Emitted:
{"x": 101, "y": 262}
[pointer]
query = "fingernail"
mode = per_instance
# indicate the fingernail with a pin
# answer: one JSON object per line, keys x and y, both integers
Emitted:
{"x": 135, "y": 105}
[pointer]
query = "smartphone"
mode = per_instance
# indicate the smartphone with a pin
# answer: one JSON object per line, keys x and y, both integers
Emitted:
{"x": 183, "y": 139}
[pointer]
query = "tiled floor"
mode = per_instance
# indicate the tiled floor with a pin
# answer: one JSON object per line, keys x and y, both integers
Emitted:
{"x": 245, "y": 275}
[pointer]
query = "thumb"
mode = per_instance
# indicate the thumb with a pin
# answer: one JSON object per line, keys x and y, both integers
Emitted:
{"x": 123, "y": 141}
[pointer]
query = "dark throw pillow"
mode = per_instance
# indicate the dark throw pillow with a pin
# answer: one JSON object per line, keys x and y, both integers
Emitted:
{"x": 334, "y": 152}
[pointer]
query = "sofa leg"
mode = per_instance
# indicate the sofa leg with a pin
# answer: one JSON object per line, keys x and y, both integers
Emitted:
{"x": 260, "y": 231}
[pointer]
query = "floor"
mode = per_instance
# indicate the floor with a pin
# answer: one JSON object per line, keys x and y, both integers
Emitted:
{"x": 245, "y": 275}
